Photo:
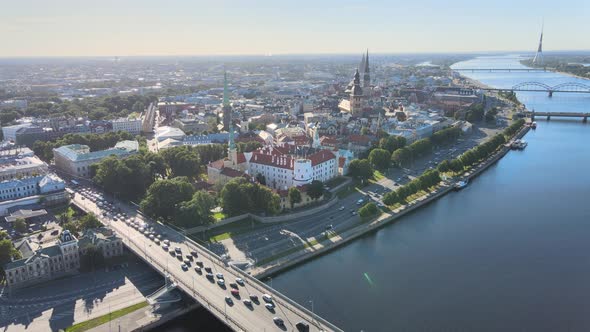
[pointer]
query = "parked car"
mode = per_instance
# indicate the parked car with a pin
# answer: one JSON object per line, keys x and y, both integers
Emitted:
{"x": 229, "y": 300}
{"x": 247, "y": 302}
{"x": 194, "y": 253}
{"x": 267, "y": 298}
{"x": 254, "y": 298}
{"x": 240, "y": 281}
{"x": 235, "y": 292}
{"x": 184, "y": 267}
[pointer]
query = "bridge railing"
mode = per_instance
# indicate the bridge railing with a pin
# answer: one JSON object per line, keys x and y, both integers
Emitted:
{"x": 315, "y": 318}
{"x": 263, "y": 287}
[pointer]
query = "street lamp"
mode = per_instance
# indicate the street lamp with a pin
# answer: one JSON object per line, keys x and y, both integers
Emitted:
{"x": 270, "y": 281}
{"x": 312, "y": 314}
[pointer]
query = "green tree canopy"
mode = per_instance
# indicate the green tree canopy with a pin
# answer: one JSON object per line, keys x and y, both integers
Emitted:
{"x": 380, "y": 158}
{"x": 164, "y": 196}
{"x": 315, "y": 189}
{"x": 196, "y": 212}
{"x": 294, "y": 196}
{"x": 239, "y": 196}
{"x": 361, "y": 169}
{"x": 20, "y": 225}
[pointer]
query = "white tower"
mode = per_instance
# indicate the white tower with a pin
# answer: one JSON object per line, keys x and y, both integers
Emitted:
{"x": 302, "y": 172}
{"x": 538, "y": 60}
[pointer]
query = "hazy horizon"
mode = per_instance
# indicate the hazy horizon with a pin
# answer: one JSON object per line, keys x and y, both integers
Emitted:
{"x": 65, "y": 28}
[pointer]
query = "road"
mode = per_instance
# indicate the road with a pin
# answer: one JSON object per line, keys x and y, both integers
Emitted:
{"x": 238, "y": 315}
{"x": 262, "y": 243}
{"x": 61, "y": 303}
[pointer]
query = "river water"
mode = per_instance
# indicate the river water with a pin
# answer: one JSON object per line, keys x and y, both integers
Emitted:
{"x": 511, "y": 252}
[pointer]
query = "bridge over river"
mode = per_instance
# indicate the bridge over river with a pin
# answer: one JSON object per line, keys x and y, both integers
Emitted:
{"x": 236, "y": 315}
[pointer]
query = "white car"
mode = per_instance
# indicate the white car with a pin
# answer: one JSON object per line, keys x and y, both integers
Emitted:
{"x": 341, "y": 208}
{"x": 267, "y": 298}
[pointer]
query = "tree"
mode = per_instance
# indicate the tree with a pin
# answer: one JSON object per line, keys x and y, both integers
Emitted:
{"x": 294, "y": 196}
{"x": 360, "y": 168}
{"x": 392, "y": 143}
{"x": 7, "y": 252}
{"x": 364, "y": 130}
{"x": 89, "y": 221}
{"x": 164, "y": 196}
{"x": 315, "y": 189}
{"x": 380, "y": 158}
{"x": 183, "y": 161}
{"x": 401, "y": 157}
{"x": 196, "y": 212}
{"x": 20, "y": 225}
{"x": 368, "y": 210}
{"x": 444, "y": 166}
{"x": 71, "y": 226}
{"x": 456, "y": 165}
{"x": 261, "y": 179}
{"x": 240, "y": 196}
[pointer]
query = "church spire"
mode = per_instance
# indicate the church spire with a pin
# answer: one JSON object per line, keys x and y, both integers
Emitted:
{"x": 225, "y": 90}
{"x": 366, "y": 74}
{"x": 226, "y": 107}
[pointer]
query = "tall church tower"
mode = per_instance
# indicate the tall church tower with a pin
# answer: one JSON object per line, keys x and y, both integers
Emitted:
{"x": 356, "y": 94}
{"x": 232, "y": 151}
{"x": 226, "y": 108}
{"x": 366, "y": 76}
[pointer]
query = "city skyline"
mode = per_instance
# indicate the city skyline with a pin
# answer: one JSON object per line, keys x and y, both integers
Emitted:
{"x": 183, "y": 28}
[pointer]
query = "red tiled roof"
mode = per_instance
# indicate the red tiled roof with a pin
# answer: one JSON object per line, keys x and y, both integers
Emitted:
{"x": 232, "y": 173}
{"x": 329, "y": 140}
{"x": 361, "y": 139}
{"x": 218, "y": 164}
{"x": 321, "y": 157}
{"x": 285, "y": 162}
{"x": 341, "y": 162}
{"x": 241, "y": 158}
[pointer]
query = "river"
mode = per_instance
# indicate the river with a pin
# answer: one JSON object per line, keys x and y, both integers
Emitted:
{"x": 510, "y": 252}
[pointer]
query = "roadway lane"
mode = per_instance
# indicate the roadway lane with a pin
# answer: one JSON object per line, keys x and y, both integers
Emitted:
{"x": 208, "y": 293}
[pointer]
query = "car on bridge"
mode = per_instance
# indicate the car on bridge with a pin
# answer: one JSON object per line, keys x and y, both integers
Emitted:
{"x": 229, "y": 300}
{"x": 278, "y": 321}
{"x": 198, "y": 270}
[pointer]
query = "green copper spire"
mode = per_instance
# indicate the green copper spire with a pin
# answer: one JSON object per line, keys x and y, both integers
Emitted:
{"x": 225, "y": 92}
{"x": 232, "y": 144}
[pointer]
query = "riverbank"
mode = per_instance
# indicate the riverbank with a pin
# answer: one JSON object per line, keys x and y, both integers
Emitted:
{"x": 335, "y": 241}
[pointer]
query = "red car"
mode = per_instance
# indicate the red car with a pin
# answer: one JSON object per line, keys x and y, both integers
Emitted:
{"x": 235, "y": 292}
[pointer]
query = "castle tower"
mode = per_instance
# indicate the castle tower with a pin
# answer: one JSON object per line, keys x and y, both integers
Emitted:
{"x": 356, "y": 94}
{"x": 226, "y": 107}
{"x": 302, "y": 172}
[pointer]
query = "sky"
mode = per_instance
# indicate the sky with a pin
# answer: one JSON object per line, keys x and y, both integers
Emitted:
{"x": 204, "y": 27}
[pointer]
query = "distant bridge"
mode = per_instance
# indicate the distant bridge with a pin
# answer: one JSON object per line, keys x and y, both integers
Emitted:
{"x": 532, "y": 115}
{"x": 570, "y": 87}
{"x": 504, "y": 70}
